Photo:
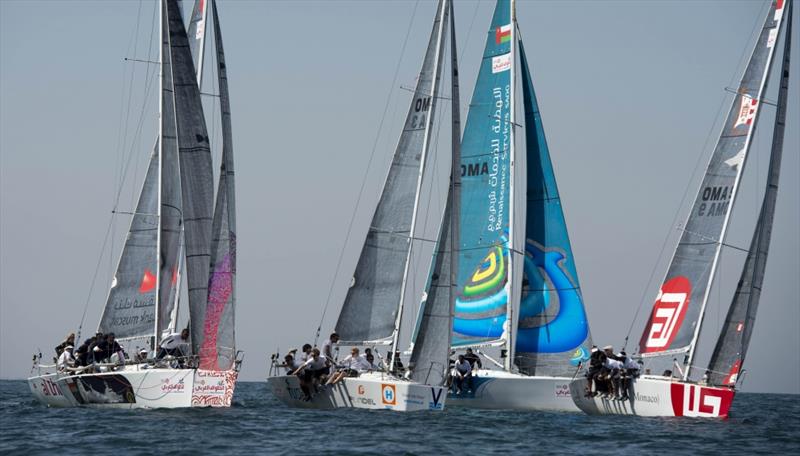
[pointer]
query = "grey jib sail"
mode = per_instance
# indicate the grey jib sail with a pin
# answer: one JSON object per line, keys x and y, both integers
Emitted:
{"x": 218, "y": 349}
{"x": 429, "y": 359}
{"x": 731, "y": 347}
{"x": 677, "y": 314}
{"x": 370, "y": 308}
{"x": 170, "y": 216}
{"x": 131, "y": 305}
{"x": 197, "y": 186}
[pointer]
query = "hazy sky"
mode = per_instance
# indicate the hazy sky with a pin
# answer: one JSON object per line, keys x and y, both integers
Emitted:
{"x": 630, "y": 93}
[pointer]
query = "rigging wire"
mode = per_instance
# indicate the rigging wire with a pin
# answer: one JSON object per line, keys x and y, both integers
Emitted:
{"x": 714, "y": 126}
{"x": 366, "y": 171}
{"x": 124, "y": 162}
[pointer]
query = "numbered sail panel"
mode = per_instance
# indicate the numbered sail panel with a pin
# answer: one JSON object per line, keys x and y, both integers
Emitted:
{"x": 370, "y": 308}
{"x": 483, "y": 269}
{"x": 131, "y": 306}
{"x": 553, "y": 330}
{"x": 677, "y": 310}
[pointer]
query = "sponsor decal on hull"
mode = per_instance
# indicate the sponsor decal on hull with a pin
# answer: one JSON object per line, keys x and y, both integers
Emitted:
{"x": 388, "y": 394}
{"x": 436, "y": 402}
{"x": 214, "y": 389}
{"x": 699, "y": 401}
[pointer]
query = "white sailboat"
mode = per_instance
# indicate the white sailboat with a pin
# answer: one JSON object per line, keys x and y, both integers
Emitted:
{"x": 175, "y": 215}
{"x": 518, "y": 287}
{"x": 372, "y": 312}
{"x": 674, "y": 326}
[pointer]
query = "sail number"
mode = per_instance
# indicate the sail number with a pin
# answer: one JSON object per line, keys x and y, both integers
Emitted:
{"x": 421, "y": 107}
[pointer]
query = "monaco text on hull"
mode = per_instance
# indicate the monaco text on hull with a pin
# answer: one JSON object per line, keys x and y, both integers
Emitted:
{"x": 368, "y": 391}
{"x": 135, "y": 387}
{"x": 493, "y": 389}
{"x": 658, "y": 396}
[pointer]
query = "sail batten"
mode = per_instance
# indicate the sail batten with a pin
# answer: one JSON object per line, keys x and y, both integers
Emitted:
{"x": 677, "y": 315}
{"x": 731, "y": 347}
{"x": 371, "y": 310}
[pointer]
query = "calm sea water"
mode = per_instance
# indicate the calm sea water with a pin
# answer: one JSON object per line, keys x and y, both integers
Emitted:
{"x": 259, "y": 424}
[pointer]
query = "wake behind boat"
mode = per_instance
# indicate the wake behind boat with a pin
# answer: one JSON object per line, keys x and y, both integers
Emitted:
{"x": 372, "y": 312}
{"x": 175, "y": 214}
{"x": 685, "y": 389}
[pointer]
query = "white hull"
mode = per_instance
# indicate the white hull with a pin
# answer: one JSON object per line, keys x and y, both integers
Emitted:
{"x": 494, "y": 389}
{"x": 658, "y": 396}
{"x": 136, "y": 387}
{"x": 368, "y": 391}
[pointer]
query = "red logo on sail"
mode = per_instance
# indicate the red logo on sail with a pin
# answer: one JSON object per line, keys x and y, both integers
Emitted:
{"x": 747, "y": 111}
{"x": 733, "y": 374}
{"x": 667, "y": 316}
{"x": 148, "y": 282}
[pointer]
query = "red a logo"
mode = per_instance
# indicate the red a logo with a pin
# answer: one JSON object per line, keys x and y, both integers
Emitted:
{"x": 667, "y": 315}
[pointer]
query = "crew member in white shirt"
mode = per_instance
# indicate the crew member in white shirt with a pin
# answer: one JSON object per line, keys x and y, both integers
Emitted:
{"x": 312, "y": 372}
{"x": 327, "y": 348}
{"x": 352, "y": 366}
{"x": 65, "y": 359}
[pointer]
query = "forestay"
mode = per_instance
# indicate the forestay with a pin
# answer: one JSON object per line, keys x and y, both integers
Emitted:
{"x": 731, "y": 347}
{"x": 553, "y": 330}
{"x": 676, "y": 317}
{"x": 429, "y": 358}
{"x": 130, "y": 309}
{"x": 218, "y": 350}
{"x": 371, "y": 308}
{"x": 196, "y": 173}
{"x": 486, "y": 159}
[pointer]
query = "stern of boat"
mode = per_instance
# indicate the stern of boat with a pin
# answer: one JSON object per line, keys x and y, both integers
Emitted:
{"x": 658, "y": 396}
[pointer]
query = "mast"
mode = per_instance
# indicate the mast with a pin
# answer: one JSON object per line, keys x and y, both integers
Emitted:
{"x": 420, "y": 175}
{"x": 161, "y": 6}
{"x": 509, "y": 330}
{"x": 761, "y": 88}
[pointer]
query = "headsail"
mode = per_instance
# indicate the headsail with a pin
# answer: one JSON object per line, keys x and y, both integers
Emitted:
{"x": 371, "y": 308}
{"x": 731, "y": 348}
{"x": 218, "y": 351}
{"x": 553, "y": 331}
{"x": 197, "y": 186}
{"x": 676, "y": 317}
{"x": 432, "y": 339}
{"x": 130, "y": 310}
{"x": 484, "y": 260}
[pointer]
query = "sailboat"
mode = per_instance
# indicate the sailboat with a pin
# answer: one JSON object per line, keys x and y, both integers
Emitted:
{"x": 518, "y": 287}
{"x": 372, "y": 311}
{"x": 175, "y": 218}
{"x": 675, "y": 322}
